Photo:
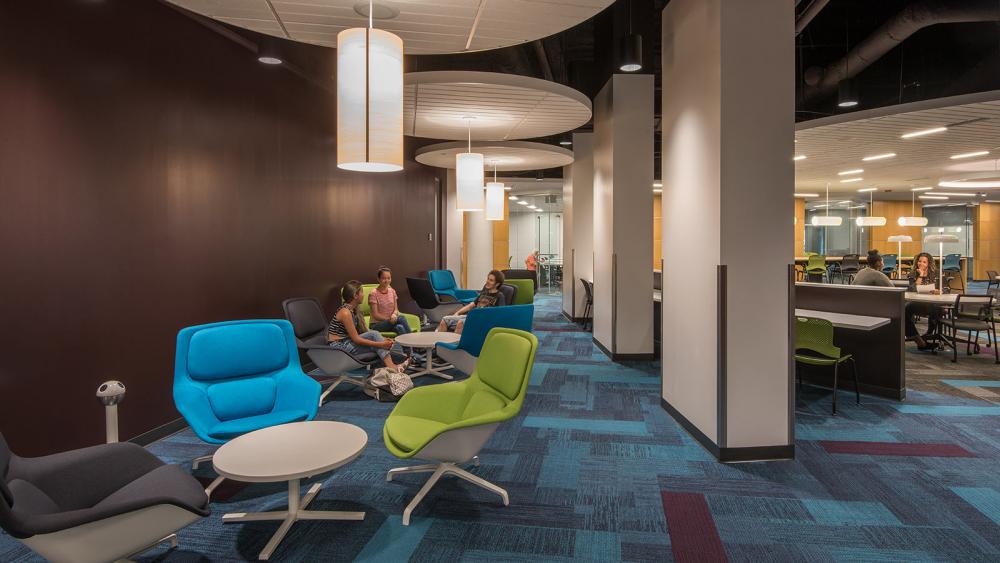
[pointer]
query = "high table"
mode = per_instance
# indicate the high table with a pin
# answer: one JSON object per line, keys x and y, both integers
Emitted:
{"x": 842, "y": 320}
{"x": 943, "y": 301}
{"x": 428, "y": 341}
{"x": 290, "y": 452}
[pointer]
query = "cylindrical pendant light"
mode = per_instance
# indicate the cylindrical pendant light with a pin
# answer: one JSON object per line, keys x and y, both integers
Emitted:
{"x": 631, "y": 48}
{"x": 871, "y": 220}
{"x": 369, "y": 99}
{"x": 826, "y": 220}
{"x": 469, "y": 177}
{"x": 913, "y": 220}
{"x": 494, "y": 198}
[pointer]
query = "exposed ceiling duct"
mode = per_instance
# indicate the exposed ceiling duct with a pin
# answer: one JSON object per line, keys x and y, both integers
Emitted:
{"x": 808, "y": 14}
{"x": 910, "y": 20}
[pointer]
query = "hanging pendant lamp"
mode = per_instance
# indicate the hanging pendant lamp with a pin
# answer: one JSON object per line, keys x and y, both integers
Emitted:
{"x": 912, "y": 220}
{"x": 369, "y": 99}
{"x": 871, "y": 220}
{"x": 826, "y": 220}
{"x": 469, "y": 174}
{"x": 494, "y": 197}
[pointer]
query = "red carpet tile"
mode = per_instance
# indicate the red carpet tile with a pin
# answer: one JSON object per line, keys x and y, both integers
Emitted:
{"x": 894, "y": 448}
{"x": 693, "y": 536}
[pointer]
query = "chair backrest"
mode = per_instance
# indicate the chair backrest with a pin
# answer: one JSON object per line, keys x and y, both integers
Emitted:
{"x": 850, "y": 262}
{"x": 816, "y": 262}
{"x": 309, "y": 323}
{"x": 235, "y": 364}
{"x": 366, "y": 290}
{"x": 523, "y": 275}
{"x": 509, "y": 293}
{"x": 991, "y": 276}
{"x": 588, "y": 288}
{"x": 889, "y": 262}
{"x": 815, "y": 335}
{"x": 525, "y": 291}
{"x": 979, "y": 305}
{"x": 481, "y": 320}
{"x": 422, "y": 292}
{"x": 952, "y": 262}
{"x": 5, "y": 456}
{"x": 442, "y": 280}
{"x": 505, "y": 365}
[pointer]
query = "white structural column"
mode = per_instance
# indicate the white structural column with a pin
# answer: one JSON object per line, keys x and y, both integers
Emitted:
{"x": 728, "y": 125}
{"x": 453, "y": 228}
{"x": 623, "y": 218}
{"x": 567, "y": 243}
{"x": 578, "y": 240}
{"x": 480, "y": 241}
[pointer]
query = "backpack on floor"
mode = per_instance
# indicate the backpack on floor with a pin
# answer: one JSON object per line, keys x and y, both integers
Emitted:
{"x": 387, "y": 385}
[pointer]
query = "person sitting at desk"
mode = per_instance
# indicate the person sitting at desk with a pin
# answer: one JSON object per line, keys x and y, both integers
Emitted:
{"x": 923, "y": 273}
{"x": 490, "y": 296}
{"x": 872, "y": 275}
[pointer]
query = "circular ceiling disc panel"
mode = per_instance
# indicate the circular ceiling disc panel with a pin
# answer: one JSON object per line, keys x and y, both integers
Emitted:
{"x": 513, "y": 156}
{"x": 504, "y": 107}
{"x": 427, "y": 27}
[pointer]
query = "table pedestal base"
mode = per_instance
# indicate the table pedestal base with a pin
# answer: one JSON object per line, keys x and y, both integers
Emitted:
{"x": 429, "y": 368}
{"x": 296, "y": 511}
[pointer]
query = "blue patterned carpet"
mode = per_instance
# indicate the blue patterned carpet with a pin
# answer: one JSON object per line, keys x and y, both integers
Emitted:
{"x": 597, "y": 471}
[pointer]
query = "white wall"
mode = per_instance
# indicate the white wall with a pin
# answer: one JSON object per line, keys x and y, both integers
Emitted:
{"x": 480, "y": 241}
{"x": 581, "y": 245}
{"x": 567, "y": 242}
{"x": 453, "y": 229}
{"x": 623, "y": 221}
{"x": 728, "y": 126}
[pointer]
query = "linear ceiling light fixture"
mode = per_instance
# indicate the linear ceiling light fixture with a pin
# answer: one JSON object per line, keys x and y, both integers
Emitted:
{"x": 878, "y": 157}
{"x": 953, "y": 194}
{"x": 975, "y": 181}
{"x": 369, "y": 99}
{"x": 850, "y": 172}
{"x": 933, "y": 197}
{"x": 969, "y": 155}
{"x": 494, "y": 197}
{"x": 800, "y": 157}
{"x": 850, "y": 180}
{"x": 826, "y": 220}
{"x": 923, "y": 132}
{"x": 806, "y": 195}
{"x": 469, "y": 172}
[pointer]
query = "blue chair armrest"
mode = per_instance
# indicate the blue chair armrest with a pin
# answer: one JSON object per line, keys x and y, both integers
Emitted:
{"x": 193, "y": 405}
{"x": 297, "y": 391}
{"x": 448, "y": 345}
{"x": 466, "y": 295}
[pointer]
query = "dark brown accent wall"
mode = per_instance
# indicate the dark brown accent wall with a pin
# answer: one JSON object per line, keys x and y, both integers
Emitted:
{"x": 154, "y": 175}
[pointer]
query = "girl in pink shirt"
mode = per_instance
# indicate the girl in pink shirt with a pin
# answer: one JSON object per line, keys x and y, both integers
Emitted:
{"x": 384, "y": 305}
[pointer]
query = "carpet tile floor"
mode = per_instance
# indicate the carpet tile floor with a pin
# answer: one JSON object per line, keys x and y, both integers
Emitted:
{"x": 597, "y": 471}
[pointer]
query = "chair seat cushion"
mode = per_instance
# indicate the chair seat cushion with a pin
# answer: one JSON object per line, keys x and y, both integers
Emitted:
{"x": 168, "y": 482}
{"x": 232, "y": 428}
{"x": 969, "y": 324}
{"x": 820, "y": 360}
{"x": 412, "y": 433}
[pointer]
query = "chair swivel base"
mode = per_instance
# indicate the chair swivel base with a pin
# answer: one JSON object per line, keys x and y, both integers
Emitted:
{"x": 439, "y": 470}
{"x": 296, "y": 511}
{"x": 359, "y": 381}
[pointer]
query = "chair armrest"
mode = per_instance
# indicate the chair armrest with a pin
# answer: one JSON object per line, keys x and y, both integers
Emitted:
{"x": 413, "y": 320}
{"x": 466, "y": 294}
{"x": 297, "y": 390}
{"x": 332, "y": 361}
{"x": 192, "y": 403}
{"x": 448, "y": 345}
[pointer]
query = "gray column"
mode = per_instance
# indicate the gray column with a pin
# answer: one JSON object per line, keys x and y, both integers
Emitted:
{"x": 728, "y": 129}
{"x": 567, "y": 244}
{"x": 623, "y": 221}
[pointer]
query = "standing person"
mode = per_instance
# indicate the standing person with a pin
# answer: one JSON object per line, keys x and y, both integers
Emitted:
{"x": 384, "y": 305}
{"x": 347, "y": 331}
{"x": 872, "y": 275}
{"x": 490, "y": 296}
{"x": 923, "y": 273}
{"x": 531, "y": 262}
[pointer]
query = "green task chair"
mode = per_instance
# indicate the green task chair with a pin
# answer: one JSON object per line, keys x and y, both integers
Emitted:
{"x": 413, "y": 320}
{"x": 814, "y": 347}
{"x": 449, "y": 423}
{"x": 525, "y": 291}
{"x": 816, "y": 266}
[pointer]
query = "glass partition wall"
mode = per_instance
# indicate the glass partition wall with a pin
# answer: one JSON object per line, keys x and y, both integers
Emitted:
{"x": 847, "y": 238}
{"x": 951, "y": 220}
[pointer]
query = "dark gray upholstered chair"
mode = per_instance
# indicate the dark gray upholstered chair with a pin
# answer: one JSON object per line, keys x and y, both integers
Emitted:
{"x": 310, "y": 326}
{"x": 423, "y": 293}
{"x": 509, "y": 293}
{"x": 522, "y": 275}
{"x": 95, "y": 504}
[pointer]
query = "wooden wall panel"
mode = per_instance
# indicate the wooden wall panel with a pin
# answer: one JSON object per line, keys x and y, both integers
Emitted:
{"x": 986, "y": 244}
{"x": 501, "y": 239}
{"x": 156, "y": 176}
{"x": 892, "y": 211}
{"x": 800, "y": 227}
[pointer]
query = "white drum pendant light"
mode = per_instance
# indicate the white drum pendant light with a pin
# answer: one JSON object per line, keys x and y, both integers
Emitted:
{"x": 494, "y": 197}
{"x": 826, "y": 220}
{"x": 469, "y": 177}
{"x": 870, "y": 220}
{"x": 369, "y": 99}
{"x": 912, "y": 221}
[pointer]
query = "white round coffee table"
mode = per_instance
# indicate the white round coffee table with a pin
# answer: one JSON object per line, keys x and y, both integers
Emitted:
{"x": 427, "y": 341}
{"x": 290, "y": 452}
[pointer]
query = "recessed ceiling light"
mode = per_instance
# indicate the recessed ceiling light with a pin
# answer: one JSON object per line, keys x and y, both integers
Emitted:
{"x": 862, "y": 190}
{"x": 933, "y": 197}
{"x": 846, "y": 201}
{"x": 657, "y": 190}
{"x": 879, "y": 157}
{"x": 657, "y": 184}
{"x": 512, "y": 198}
{"x": 806, "y": 195}
{"x": 849, "y": 180}
{"x": 849, "y": 172}
{"x": 566, "y": 143}
{"x": 955, "y": 194}
{"x": 800, "y": 157}
{"x": 923, "y": 132}
{"x": 969, "y": 154}
{"x": 923, "y": 189}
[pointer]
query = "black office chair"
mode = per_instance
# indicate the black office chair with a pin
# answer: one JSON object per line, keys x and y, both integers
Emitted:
{"x": 972, "y": 314}
{"x": 588, "y": 309}
{"x": 991, "y": 279}
{"x": 509, "y": 293}
{"x": 310, "y": 326}
{"x": 849, "y": 267}
{"x": 423, "y": 293}
{"x": 522, "y": 275}
{"x": 96, "y": 504}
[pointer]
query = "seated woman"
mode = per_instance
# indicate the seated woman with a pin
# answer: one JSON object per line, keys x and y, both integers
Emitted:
{"x": 923, "y": 273}
{"x": 384, "y": 305}
{"x": 872, "y": 275}
{"x": 490, "y": 296}
{"x": 348, "y": 332}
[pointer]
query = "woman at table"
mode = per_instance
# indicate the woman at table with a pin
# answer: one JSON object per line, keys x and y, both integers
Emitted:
{"x": 872, "y": 275}
{"x": 923, "y": 273}
{"x": 490, "y": 296}
{"x": 384, "y": 305}
{"x": 347, "y": 331}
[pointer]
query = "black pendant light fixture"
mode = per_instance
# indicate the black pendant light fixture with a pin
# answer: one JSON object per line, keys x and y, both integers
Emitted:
{"x": 631, "y": 47}
{"x": 268, "y": 51}
{"x": 847, "y": 89}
